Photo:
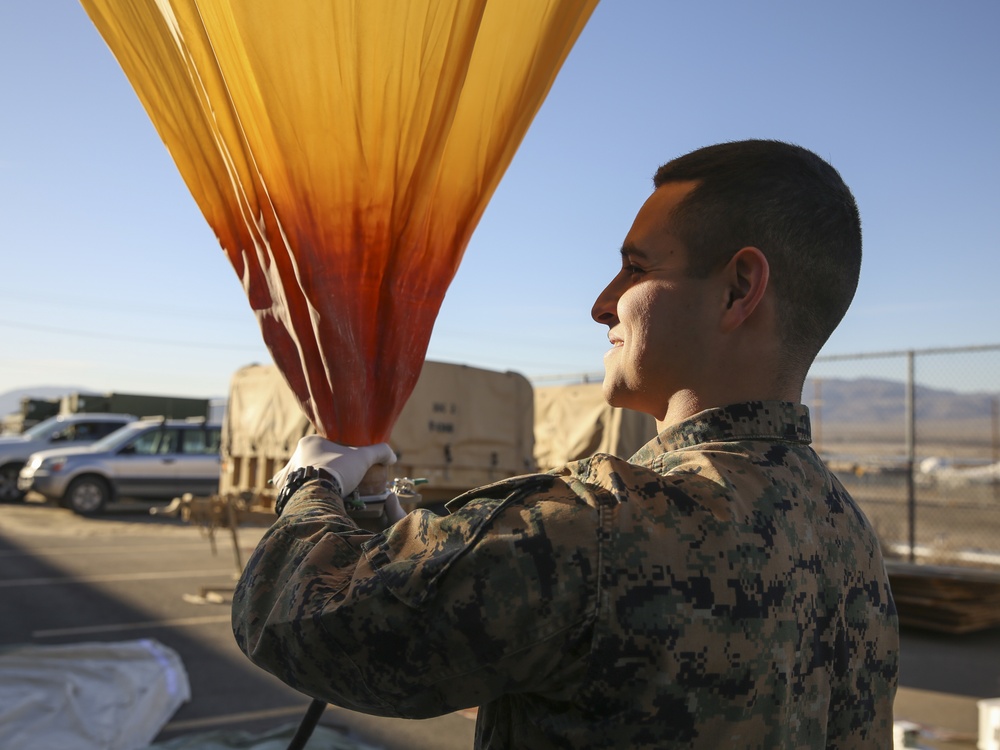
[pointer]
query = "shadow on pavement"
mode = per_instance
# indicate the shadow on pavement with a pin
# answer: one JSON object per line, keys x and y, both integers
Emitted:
{"x": 64, "y": 579}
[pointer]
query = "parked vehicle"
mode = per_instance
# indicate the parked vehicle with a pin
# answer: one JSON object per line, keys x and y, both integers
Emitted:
{"x": 149, "y": 459}
{"x": 60, "y": 431}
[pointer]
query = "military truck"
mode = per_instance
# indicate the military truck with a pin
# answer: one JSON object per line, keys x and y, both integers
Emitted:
{"x": 172, "y": 407}
{"x": 461, "y": 427}
{"x": 32, "y": 411}
{"x": 35, "y": 410}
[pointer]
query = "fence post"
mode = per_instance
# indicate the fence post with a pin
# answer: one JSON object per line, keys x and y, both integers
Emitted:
{"x": 911, "y": 453}
{"x": 817, "y": 421}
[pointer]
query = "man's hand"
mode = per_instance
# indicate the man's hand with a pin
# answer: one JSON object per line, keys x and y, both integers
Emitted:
{"x": 349, "y": 465}
{"x": 393, "y": 510}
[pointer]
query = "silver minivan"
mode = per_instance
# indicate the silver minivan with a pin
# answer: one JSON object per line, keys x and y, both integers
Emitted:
{"x": 63, "y": 431}
{"x": 150, "y": 459}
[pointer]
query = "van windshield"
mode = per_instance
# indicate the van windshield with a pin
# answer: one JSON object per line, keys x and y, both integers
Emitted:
{"x": 43, "y": 429}
{"x": 119, "y": 437}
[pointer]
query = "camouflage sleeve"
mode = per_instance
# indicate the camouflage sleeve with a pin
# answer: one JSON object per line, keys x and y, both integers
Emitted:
{"x": 860, "y": 711}
{"x": 432, "y": 615}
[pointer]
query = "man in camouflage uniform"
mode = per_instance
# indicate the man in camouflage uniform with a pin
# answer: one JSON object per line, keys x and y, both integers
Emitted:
{"x": 720, "y": 589}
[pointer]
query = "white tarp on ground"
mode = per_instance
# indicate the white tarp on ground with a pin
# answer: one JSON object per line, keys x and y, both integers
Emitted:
{"x": 105, "y": 696}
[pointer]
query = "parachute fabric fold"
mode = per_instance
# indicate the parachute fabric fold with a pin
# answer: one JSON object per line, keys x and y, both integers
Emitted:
{"x": 343, "y": 153}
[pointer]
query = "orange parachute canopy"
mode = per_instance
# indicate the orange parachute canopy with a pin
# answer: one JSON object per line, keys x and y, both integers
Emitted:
{"x": 343, "y": 152}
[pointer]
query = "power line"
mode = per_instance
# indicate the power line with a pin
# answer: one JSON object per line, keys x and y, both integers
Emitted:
{"x": 129, "y": 339}
{"x": 78, "y": 303}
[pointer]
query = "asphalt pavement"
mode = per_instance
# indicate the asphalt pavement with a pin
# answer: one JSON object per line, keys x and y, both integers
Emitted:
{"x": 130, "y": 575}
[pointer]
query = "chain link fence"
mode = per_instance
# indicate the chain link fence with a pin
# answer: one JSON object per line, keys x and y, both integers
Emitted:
{"x": 915, "y": 437}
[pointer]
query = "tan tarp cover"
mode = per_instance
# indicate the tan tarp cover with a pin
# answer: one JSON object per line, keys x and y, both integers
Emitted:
{"x": 462, "y": 427}
{"x": 574, "y": 421}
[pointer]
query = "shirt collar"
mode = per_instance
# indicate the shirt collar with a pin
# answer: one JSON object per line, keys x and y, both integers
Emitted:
{"x": 751, "y": 420}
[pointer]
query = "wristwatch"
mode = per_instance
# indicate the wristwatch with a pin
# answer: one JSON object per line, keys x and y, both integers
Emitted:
{"x": 299, "y": 477}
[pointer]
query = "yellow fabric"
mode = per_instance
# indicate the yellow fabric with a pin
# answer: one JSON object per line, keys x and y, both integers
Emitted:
{"x": 343, "y": 152}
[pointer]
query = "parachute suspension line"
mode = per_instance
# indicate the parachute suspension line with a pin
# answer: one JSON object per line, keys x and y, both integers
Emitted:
{"x": 307, "y": 725}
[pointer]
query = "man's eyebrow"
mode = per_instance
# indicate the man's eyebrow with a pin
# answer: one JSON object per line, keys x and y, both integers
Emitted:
{"x": 630, "y": 250}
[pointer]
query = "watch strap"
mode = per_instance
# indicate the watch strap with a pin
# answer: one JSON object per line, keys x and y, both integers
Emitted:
{"x": 300, "y": 476}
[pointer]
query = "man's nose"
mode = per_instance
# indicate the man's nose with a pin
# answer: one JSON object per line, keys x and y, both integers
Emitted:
{"x": 605, "y": 309}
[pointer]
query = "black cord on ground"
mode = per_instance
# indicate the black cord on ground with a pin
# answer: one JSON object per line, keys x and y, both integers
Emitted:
{"x": 307, "y": 725}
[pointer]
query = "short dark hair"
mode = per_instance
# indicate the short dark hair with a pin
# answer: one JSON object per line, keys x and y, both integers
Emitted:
{"x": 793, "y": 206}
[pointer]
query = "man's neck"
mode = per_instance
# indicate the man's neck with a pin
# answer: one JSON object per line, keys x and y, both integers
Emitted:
{"x": 685, "y": 404}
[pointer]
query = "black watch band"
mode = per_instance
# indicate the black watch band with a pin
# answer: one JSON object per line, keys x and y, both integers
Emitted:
{"x": 299, "y": 477}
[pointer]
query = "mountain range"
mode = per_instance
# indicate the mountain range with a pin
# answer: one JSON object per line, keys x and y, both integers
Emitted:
{"x": 860, "y": 400}
{"x": 872, "y": 400}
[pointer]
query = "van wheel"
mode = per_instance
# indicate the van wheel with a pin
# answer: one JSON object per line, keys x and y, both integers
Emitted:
{"x": 9, "y": 493}
{"x": 87, "y": 496}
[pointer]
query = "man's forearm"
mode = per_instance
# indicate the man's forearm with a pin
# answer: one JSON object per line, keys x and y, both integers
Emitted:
{"x": 301, "y": 563}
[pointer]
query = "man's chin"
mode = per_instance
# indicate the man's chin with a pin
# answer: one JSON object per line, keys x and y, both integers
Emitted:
{"x": 614, "y": 393}
{"x": 618, "y": 395}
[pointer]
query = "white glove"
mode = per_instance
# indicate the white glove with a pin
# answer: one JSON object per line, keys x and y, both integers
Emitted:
{"x": 393, "y": 510}
{"x": 348, "y": 465}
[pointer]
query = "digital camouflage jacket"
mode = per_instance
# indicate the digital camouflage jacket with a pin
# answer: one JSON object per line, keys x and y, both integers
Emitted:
{"x": 719, "y": 590}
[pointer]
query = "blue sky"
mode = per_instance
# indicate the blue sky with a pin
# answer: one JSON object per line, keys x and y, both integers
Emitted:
{"x": 112, "y": 281}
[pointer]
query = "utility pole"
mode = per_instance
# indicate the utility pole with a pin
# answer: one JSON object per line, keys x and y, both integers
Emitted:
{"x": 995, "y": 403}
{"x": 911, "y": 453}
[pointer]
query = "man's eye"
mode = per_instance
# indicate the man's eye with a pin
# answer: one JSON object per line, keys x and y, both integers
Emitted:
{"x": 633, "y": 270}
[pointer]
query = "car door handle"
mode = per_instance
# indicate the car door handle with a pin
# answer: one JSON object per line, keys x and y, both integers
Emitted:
{"x": 169, "y": 460}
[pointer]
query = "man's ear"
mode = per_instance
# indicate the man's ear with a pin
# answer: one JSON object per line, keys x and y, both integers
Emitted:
{"x": 747, "y": 274}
